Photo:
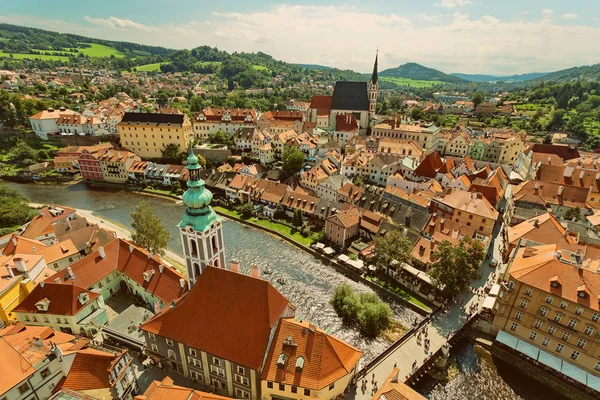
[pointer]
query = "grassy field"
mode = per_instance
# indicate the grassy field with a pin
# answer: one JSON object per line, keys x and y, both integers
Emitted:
{"x": 400, "y": 292}
{"x": 405, "y": 82}
{"x": 149, "y": 67}
{"x": 283, "y": 229}
{"x": 261, "y": 68}
{"x": 99, "y": 50}
{"x": 33, "y": 56}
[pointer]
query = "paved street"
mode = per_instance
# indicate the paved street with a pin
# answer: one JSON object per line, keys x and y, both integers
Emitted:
{"x": 437, "y": 330}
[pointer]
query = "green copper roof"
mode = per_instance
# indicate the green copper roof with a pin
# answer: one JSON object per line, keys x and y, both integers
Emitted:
{"x": 197, "y": 198}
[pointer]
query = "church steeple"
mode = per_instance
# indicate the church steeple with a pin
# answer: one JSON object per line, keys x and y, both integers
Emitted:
{"x": 373, "y": 90}
{"x": 200, "y": 227}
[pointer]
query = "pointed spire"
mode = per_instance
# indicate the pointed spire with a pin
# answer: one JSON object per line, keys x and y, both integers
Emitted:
{"x": 374, "y": 76}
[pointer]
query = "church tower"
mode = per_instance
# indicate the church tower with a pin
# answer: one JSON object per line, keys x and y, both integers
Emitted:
{"x": 373, "y": 90}
{"x": 200, "y": 228}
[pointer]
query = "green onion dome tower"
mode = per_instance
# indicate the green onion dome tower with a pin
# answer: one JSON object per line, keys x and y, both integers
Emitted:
{"x": 200, "y": 228}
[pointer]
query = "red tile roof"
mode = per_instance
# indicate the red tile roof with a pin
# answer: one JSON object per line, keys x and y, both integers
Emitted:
{"x": 90, "y": 370}
{"x": 322, "y": 104}
{"x": 64, "y": 299}
{"x": 564, "y": 152}
{"x": 326, "y": 358}
{"x": 429, "y": 166}
{"x": 238, "y": 313}
{"x": 165, "y": 390}
{"x": 345, "y": 123}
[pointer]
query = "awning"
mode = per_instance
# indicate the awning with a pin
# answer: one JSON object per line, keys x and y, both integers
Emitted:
{"x": 593, "y": 382}
{"x": 574, "y": 372}
{"x": 328, "y": 250}
{"x": 489, "y": 303}
{"x": 494, "y": 290}
{"x": 409, "y": 268}
{"x": 528, "y": 349}
{"x": 319, "y": 246}
{"x": 507, "y": 339}
{"x": 343, "y": 258}
{"x": 425, "y": 278}
{"x": 549, "y": 360}
{"x": 358, "y": 264}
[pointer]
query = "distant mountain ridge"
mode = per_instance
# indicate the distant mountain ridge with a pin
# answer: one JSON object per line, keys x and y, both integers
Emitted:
{"x": 419, "y": 72}
{"x": 586, "y": 72}
{"x": 480, "y": 78}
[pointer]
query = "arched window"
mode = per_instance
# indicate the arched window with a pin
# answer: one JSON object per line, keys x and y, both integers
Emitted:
{"x": 214, "y": 244}
{"x": 197, "y": 269}
{"x": 194, "y": 248}
{"x": 171, "y": 354}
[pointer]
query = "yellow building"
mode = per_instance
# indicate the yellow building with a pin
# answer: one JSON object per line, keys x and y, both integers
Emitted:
{"x": 147, "y": 134}
{"x": 548, "y": 310}
{"x": 468, "y": 208}
{"x": 15, "y": 283}
{"x": 115, "y": 164}
{"x": 304, "y": 362}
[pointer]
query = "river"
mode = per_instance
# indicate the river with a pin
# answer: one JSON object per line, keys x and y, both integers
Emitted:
{"x": 310, "y": 286}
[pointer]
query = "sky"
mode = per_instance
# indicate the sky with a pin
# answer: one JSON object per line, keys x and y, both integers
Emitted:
{"x": 498, "y": 37}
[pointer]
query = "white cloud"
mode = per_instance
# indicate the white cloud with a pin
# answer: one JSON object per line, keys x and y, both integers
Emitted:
{"x": 430, "y": 18}
{"x": 547, "y": 13}
{"x": 454, "y": 3}
{"x": 114, "y": 22}
{"x": 346, "y": 37}
{"x": 569, "y": 16}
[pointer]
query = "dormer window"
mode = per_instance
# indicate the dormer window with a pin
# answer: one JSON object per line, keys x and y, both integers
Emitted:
{"x": 83, "y": 298}
{"x": 582, "y": 292}
{"x": 43, "y": 304}
{"x": 281, "y": 360}
{"x": 299, "y": 364}
{"x": 148, "y": 275}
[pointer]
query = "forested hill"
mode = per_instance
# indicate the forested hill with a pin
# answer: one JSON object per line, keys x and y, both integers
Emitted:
{"x": 21, "y": 39}
{"x": 418, "y": 72}
{"x": 584, "y": 73}
{"x": 500, "y": 78}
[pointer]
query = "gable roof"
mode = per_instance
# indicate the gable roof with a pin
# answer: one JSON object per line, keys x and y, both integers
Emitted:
{"x": 394, "y": 389}
{"x": 543, "y": 228}
{"x": 240, "y": 311}
{"x": 429, "y": 166}
{"x": 564, "y": 152}
{"x": 90, "y": 370}
{"x": 166, "y": 390}
{"x": 322, "y": 104}
{"x": 325, "y": 358}
{"x": 64, "y": 299}
{"x": 350, "y": 96}
{"x": 347, "y": 218}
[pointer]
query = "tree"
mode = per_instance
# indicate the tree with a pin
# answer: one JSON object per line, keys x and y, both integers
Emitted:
{"x": 293, "y": 161}
{"x": 171, "y": 154}
{"x": 393, "y": 246}
{"x": 454, "y": 267}
{"x": 175, "y": 186}
{"x": 358, "y": 180}
{"x": 416, "y": 113}
{"x": 477, "y": 99}
{"x": 246, "y": 210}
{"x": 279, "y": 212}
{"x": 573, "y": 214}
{"x": 297, "y": 218}
{"x": 148, "y": 230}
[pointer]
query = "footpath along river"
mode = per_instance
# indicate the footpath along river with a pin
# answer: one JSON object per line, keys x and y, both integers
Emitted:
{"x": 310, "y": 286}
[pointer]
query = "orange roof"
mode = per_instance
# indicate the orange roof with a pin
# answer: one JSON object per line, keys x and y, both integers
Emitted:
{"x": 165, "y": 390}
{"x": 22, "y": 245}
{"x": 297, "y": 200}
{"x": 469, "y": 202}
{"x": 38, "y": 226}
{"x": 548, "y": 193}
{"x": 325, "y": 358}
{"x": 63, "y": 299}
{"x": 238, "y": 313}
{"x": 351, "y": 191}
{"x": 542, "y": 228}
{"x": 56, "y": 213}
{"x": 90, "y": 370}
{"x": 131, "y": 261}
{"x": 15, "y": 367}
{"x": 394, "y": 389}
{"x": 346, "y": 219}
{"x": 322, "y": 104}
{"x": 57, "y": 251}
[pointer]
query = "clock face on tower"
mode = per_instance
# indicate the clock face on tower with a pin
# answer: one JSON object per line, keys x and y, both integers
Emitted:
{"x": 194, "y": 174}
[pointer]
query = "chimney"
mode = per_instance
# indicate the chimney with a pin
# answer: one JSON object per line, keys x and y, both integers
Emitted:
{"x": 42, "y": 284}
{"x": 70, "y": 272}
{"x": 14, "y": 241}
{"x": 182, "y": 283}
{"x": 536, "y": 223}
{"x": 160, "y": 268}
{"x": 254, "y": 271}
{"x": 149, "y": 256}
{"x": 56, "y": 280}
{"x": 479, "y": 195}
{"x": 38, "y": 341}
{"x": 234, "y": 266}
{"x": 131, "y": 248}
{"x": 10, "y": 271}
{"x": 101, "y": 252}
{"x": 442, "y": 224}
{"x": 20, "y": 264}
{"x": 567, "y": 233}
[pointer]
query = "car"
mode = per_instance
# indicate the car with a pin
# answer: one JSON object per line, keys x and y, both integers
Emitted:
{"x": 493, "y": 263}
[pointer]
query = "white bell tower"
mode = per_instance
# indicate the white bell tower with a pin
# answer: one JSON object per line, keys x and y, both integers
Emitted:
{"x": 200, "y": 228}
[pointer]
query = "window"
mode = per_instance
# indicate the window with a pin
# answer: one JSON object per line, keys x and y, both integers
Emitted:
{"x": 241, "y": 394}
{"x": 596, "y": 317}
{"x": 518, "y": 315}
{"x": 307, "y": 392}
{"x": 559, "y": 348}
{"x": 523, "y": 303}
{"x": 45, "y": 373}
{"x": 551, "y": 330}
{"x": 513, "y": 327}
{"x": 575, "y": 355}
{"x": 217, "y": 370}
{"x": 241, "y": 370}
{"x": 332, "y": 386}
{"x": 193, "y": 353}
{"x": 532, "y": 335}
{"x": 171, "y": 354}
{"x": 566, "y": 336}
{"x": 528, "y": 291}
{"x": 581, "y": 343}
{"x": 588, "y": 330}
{"x": 579, "y": 311}
{"x": 24, "y": 388}
{"x": 282, "y": 387}
{"x": 196, "y": 375}
{"x": 543, "y": 311}
{"x": 169, "y": 341}
{"x": 154, "y": 347}
{"x": 242, "y": 379}
{"x": 294, "y": 389}
{"x": 151, "y": 336}
{"x": 538, "y": 324}
{"x": 216, "y": 361}
{"x": 557, "y": 317}
{"x": 545, "y": 342}
{"x": 572, "y": 323}
{"x": 270, "y": 385}
{"x": 549, "y": 299}
{"x": 597, "y": 367}
{"x": 194, "y": 361}
{"x": 564, "y": 305}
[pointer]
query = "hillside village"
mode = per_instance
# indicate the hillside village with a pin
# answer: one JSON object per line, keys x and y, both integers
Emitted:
{"x": 90, "y": 314}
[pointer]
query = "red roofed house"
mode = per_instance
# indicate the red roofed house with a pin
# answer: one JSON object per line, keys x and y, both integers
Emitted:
{"x": 89, "y": 165}
{"x": 340, "y": 228}
{"x": 320, "y": 108}
{"x": 346, "y": 127}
